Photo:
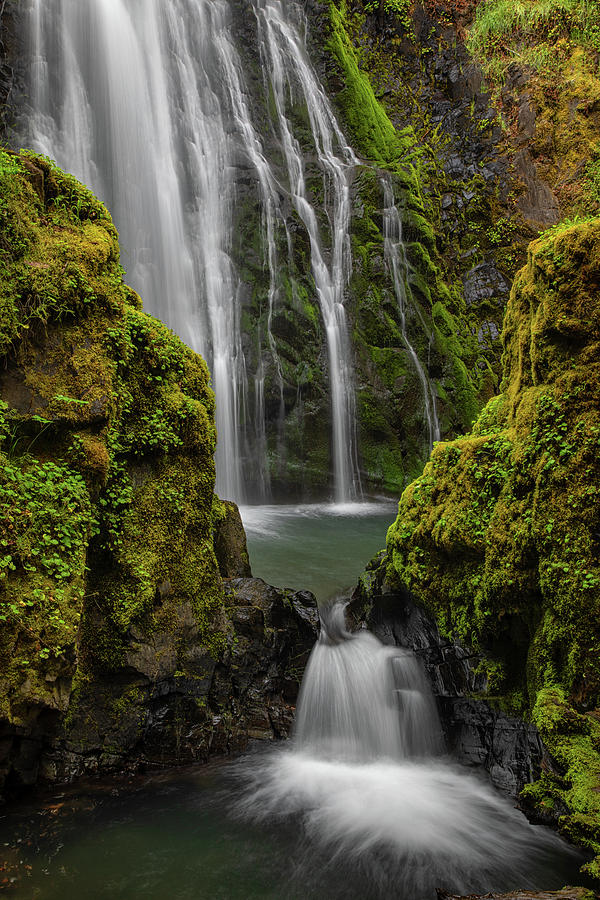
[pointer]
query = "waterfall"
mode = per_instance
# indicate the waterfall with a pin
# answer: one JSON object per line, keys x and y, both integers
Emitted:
{"x": 398, "y": 267}
{"x": 152, "y": 105}
{"x": 363, "y": 701}
{"x": 365, "y": 784}
{"x": 285, "y": 61}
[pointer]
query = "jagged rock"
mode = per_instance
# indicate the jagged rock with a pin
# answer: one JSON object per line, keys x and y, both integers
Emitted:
{"x": 476, "y": 734}
{"x": 485, "y": 282}
{"x": 156, "y": 716}
{"x": 538, "y": 204}
{"x": 229, "y": 540}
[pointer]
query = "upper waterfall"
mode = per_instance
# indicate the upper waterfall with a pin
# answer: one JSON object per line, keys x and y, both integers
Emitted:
{"x": 154, "y": 105}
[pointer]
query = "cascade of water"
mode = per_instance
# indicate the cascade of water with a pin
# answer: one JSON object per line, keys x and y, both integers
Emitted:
{"x": 365, "y": 783}
{"x": 398, "y": 266}
{"x": 286, "y": 62}
{"x": 124, "y": 96}
{"x": 149, "y": 104}
{"x": 361, "y": 700}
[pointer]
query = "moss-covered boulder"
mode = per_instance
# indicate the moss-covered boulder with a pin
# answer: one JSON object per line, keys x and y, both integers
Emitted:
{"x": 112, "y": 613}
{"x": 499, "y": 536}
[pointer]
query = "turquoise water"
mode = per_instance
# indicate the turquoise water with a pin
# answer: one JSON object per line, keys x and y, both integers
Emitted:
{"x": 181, "y": 836}
{"x": 318, "y": 547}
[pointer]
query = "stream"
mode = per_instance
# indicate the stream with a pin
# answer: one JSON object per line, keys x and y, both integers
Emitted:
{"x": 361, "y": 803}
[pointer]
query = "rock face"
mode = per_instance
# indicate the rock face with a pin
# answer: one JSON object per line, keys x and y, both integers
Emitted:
{"x": 499, "y": 537}
{"x": 158, "y": 714}
{"x": 229, "y": 540}
{"x": 476, "y": 733}
{"x": 118, "y": 644}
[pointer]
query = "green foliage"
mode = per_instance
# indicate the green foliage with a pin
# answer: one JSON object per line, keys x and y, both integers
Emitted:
{"x": 50, "y": 274}
{"x": 591, "y": 178}
{"x": 399, "y": 9}
{"x": 538, "y": 33}
{"x": 45, "y": 514}
{"x": 374, "y": 134}
{"x": 499, "y": 535}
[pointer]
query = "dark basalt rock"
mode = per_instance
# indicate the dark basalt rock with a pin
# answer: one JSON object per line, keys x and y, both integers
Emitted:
{"x": 229, "y": 539}
{"x": 146, "y": 716}
{"x": 538, "y": 204}
{"x": 485, "y": 282}
{"x": 476, "y": 733}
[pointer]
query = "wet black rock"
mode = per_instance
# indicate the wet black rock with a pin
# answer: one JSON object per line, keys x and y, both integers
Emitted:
{"x": 151, "y": 715}
{"x": 476, "y": 734}
{"x": 538, "y": 204}
{"x": 229, "y": 539}
{"x": 485, "y": 282}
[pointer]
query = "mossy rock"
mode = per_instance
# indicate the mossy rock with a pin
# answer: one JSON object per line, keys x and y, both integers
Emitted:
{"x": 499, "y": 536}
{"x": 107, "y": 440}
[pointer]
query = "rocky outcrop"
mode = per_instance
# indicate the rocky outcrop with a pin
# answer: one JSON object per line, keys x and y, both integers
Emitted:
{"x": 119, "y": 646}
{"x": 229, "y": 540}
{"x": 155, "y": 714}
{"x": 498, "y": 538}
{"x": 477, "y": 732}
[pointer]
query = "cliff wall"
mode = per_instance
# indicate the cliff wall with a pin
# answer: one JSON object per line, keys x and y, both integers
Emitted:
{"x": 498, "y": 537}
{"x": 118, "y": 642}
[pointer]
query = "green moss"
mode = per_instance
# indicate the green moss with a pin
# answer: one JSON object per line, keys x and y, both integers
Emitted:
{"x": 556, "y": 43}
{"x": 436, "y": 319}
{"x": 374, "y": 135}
{"x": 106, "y": 449}
{"x": 540, "y": 34}
{"x": 499, "y": 536}
{"x": 59, "y": 252}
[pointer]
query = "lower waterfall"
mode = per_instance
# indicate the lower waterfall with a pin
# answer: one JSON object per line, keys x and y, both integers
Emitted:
{"x": 365, "y": 781}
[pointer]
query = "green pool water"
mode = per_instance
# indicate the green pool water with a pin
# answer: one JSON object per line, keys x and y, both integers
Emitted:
{"x": 318, "y": 547}
{"x": 181, "y": 836}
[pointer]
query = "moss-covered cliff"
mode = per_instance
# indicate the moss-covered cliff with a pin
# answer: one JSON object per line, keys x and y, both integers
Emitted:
{"x": 499, "y": 536}
{"x": 113, "y": 617}
{"x": 427, "y": 312}
{"x": 488, "y": 112}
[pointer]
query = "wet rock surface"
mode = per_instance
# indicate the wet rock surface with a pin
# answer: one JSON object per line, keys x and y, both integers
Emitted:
{"x": 229, "y": 539}
{"x": 476, "y": 733}
{"x": 152, "y": 715}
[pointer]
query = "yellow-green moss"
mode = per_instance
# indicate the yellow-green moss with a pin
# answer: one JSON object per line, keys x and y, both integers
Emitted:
{"x": 556, "y": 43}
{"x": 106, "y": 447}
{"x": 499, "y": 536}
{"x": 374, "y": 134}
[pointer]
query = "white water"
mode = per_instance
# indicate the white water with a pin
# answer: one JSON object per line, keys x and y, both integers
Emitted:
{"x": 361, "y": 701}
{"x": 289, "y": 70}
{"x": 148, "y": 103}
{"x": 397, "y": 263}
{"x": 365, "y": 782}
